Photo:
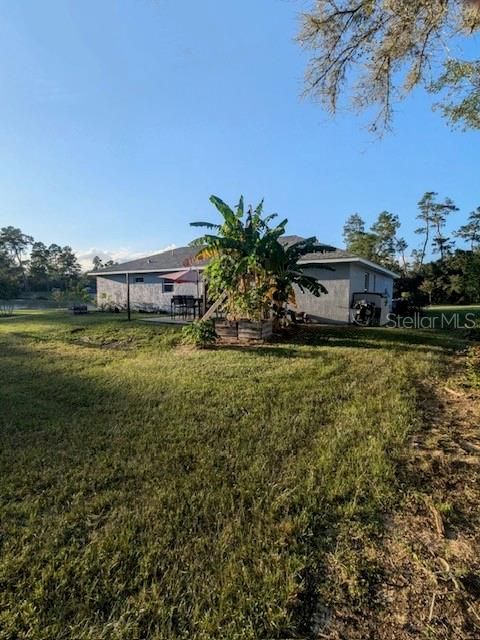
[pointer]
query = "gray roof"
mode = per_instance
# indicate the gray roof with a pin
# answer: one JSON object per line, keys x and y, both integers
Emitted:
{"x": 288, "y": 241}
{"x": 170, "y": 260}
{"x": 324, "y": 251}
{"x": 182, "y": 257}
{"x": 174, "y": 259}
{"x": 340, "y": 255}
{"x": 329, "y": 255}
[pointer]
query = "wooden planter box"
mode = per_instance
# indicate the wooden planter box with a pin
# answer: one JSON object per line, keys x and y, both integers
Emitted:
{"x": 248, "y": 330}
{"x": 243, "y": 330}
{"x": 226, "y": 330}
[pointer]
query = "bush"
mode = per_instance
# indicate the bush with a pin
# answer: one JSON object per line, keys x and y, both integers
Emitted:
{"x": 6, "y": 308}
{"x": 74, "y": 295}
{"x": 473, "y": 367}
{"x": 8, "y": 291}
{"x": 200, "y": 334}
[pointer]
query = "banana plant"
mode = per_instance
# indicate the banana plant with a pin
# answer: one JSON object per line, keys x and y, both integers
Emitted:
{"x": 249, "y": 262}
{"x": 283, "y": 264}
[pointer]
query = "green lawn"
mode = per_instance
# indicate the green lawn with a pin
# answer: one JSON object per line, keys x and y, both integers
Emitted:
{"x": 151, "y": 492}
{"x": 463, "y": 315}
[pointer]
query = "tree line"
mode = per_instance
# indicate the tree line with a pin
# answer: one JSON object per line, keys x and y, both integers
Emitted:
{"x": 435, "y": 271}
{"x": 29, "y": 265}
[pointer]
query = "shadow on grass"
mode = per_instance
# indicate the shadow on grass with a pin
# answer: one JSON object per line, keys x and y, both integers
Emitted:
{"x": 98, "y": 505}
{"x": 295, "y": 343}
{"x": 68, "y": 429}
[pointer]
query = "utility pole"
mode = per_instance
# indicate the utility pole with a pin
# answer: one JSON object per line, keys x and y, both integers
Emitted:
{"x": 128, "y": 296}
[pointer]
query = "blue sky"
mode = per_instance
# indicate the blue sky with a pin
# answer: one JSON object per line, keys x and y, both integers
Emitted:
{"x": 119, "y": 118}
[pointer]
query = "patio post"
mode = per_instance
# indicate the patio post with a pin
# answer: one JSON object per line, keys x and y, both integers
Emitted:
{"x": 128, "y": 296}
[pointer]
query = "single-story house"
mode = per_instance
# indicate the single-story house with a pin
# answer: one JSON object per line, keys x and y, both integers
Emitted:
{"x": 153, "y": 281}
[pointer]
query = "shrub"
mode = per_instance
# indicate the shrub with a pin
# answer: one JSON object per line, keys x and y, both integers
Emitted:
{"x": 200, "y": 334}
{"x": 74, "y": 295}
{"x": 8, "y": 291}
{"x": 6, "y": 307}
{"x": 473, "y": 367}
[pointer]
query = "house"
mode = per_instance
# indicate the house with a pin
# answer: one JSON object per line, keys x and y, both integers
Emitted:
{"x": 153, "y": 281}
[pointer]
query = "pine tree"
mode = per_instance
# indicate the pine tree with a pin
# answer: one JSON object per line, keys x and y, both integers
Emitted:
{"x": 470, "y": 232}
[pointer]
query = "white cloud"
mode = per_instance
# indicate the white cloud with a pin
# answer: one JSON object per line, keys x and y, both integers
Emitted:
{"x": 122, "y": 254}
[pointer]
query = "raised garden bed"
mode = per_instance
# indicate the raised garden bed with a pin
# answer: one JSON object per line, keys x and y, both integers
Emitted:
{"x": 226, "y": 330}
{"x": 248, "y": 330}
{"x": 243, "y": 330}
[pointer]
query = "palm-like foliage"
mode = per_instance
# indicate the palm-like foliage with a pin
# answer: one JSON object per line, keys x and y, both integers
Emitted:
{"x": 286, "y": 272}
{"x": 250, "y": 264}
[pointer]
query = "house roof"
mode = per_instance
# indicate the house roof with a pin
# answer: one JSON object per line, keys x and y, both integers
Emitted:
{"x": 170, "y": 260}
{"x": 288, "y": 241}
{"x": 181, "y": 257}
{"x": 329, "y": 254}
{"x": 339, "y": 256}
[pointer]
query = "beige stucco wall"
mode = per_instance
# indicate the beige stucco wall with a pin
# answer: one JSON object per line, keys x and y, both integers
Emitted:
{"x": 346, "y": 279}
{"x": 341, "y": 282}
{"x": 332, "y": 307}
{"x": 148, "y": 296}
{"x": 378, "y": 282}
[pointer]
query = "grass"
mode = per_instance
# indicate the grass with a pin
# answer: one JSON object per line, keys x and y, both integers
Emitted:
{"x": 465, "y": 315}
{"x": 148, "y": 491}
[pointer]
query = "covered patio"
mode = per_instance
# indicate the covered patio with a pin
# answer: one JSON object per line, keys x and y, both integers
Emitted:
{"x": 186, "y": 307}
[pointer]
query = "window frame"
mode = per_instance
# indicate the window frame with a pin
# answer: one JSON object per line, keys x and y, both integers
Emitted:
{"x": 366, "y": 281}
{"x": 167, "y": 283}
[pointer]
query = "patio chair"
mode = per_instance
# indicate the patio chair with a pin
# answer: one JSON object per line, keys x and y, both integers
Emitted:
{"x": 190, "y": 306}
{"x": 177, "y": 306}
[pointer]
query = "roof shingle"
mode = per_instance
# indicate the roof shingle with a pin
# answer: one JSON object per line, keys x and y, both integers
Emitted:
{"x": 172, "y": 259}
{"x": 183, "y": 257}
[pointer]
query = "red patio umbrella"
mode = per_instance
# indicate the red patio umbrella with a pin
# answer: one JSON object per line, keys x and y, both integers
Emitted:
{"x": 187, "y": 275}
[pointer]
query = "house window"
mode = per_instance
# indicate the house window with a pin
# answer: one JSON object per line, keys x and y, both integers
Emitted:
{"x": 139, "y": 279}
{"x": 167, "y": 286}
{"x": 367, "y": 281}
